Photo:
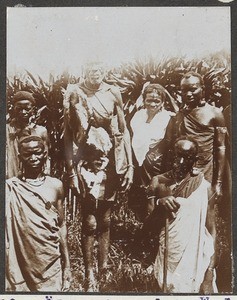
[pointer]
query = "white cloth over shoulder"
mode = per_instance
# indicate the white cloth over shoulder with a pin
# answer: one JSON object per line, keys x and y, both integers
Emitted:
{"x": 146, "y": 134}
{"x": 190, "y": 245}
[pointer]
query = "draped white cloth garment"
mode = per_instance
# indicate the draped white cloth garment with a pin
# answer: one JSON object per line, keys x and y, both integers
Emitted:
{"x": 147, "y": 134}
{"x": 190, "y": 245}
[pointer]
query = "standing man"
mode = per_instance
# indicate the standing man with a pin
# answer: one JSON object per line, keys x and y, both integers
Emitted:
{"x": 186, "y": 266}
{"x": 94, "y": 122}
{"x": 21, "y": 125}
{"x": 37, "y": 257}
{"x": 205, "y": 124}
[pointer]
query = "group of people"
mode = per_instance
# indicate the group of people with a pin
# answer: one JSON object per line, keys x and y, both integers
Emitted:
{"x": 178, "y": 158}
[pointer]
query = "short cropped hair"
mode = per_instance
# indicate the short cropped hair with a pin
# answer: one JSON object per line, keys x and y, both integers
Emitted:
{"x": 28, "y": 139}
{"x": 90, "y": 65}
{"x": 23, "y": 95}
{"x": 193, "y": 74}
{"x": 159, "y": 89}
{"x": 186, "y": 138}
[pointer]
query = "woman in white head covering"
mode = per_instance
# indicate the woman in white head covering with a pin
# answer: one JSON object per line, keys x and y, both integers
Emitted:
{"x": 148, "y": 127}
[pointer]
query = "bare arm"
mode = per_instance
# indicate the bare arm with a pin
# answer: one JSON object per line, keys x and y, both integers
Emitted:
{"x": 170, "y": 136}
{"x": 45, "y": 138}
{"x": 219, "y": 160}
{"x": 63, "y": 240}
{"x": 207, "y": 284}
{"x": 219, "y": 151}
{"x": 68, "y": 145}
{"x": 128, "y": 177}
{"x": 158, "y": 196}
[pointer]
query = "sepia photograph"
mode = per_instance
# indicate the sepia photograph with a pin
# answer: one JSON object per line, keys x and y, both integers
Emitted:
{"x": 118, "y": 150}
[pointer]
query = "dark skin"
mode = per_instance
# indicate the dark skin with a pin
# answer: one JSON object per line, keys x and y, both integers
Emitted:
{"x": 33, "y": 156}
{"x": 153, "y": 103}
{"x": 23, "y": 111}
{"x": 22, "y": 125}
{"x": 207, "y": 115}
{"x": 185, "y": 155}
{"x": 193, "y": 92}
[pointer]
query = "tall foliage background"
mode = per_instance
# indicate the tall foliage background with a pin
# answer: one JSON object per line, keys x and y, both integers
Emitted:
{"x": 130, "y": 269}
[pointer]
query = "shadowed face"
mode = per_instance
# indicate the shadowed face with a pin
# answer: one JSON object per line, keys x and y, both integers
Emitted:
{"x": 23, "y": 110}
{"x": 33, "y": 155}
{"x": 185, "y": 155}
{"x": 153, "y": 102}
{"x": 192, "y": 91}
{"x": 218, "y": 83}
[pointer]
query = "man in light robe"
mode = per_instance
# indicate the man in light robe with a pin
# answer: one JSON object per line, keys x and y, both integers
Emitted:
{"x": 182, "y": 197}
{"x": 37, "y": 257}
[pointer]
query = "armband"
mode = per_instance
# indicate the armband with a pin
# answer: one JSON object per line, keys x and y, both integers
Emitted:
{"x": 151, "y": 197}
{"x": 221, "y": 147}
{"x": 221, "y": 129}
{"x": 154, "y": 198}
{"x": 131, "y": 166}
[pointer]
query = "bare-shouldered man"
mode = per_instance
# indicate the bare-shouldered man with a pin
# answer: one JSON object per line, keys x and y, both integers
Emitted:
{"x": 206, "y": 125}
{"x": 203, "y": 122}
{"x": 37, "y": 257}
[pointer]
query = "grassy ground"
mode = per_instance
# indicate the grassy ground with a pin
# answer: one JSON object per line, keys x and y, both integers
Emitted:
{"x": 130, "y": 264}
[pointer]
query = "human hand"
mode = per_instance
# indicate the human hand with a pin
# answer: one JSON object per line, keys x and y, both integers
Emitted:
{"x": 127, "y": 179}
{"x": 67, "y": 278}
{"x": 74, "y": 184}
{"x": 217, "y": 190}
{"x": 170, "y": 203}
